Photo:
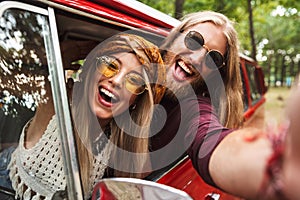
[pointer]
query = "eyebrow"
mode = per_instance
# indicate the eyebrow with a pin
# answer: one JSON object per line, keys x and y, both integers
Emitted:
{"x": 120, "y": 63}
{"x": 115, "y": 58}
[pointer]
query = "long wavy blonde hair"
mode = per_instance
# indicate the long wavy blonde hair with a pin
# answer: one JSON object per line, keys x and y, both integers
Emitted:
{"x": 125, "y": 135}
{"x": 229, "y": 104}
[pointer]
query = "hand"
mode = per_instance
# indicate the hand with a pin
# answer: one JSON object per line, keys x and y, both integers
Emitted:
{"x": 291, "y": 165}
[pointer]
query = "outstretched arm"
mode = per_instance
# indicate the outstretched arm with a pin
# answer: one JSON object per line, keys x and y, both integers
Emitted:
{"x": 291, "y": 164}
{"x": 255, "y": 164}
{"x": 237, "y": 165}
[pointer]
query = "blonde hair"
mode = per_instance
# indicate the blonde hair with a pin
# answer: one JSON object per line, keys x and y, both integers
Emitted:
{"x": 137, "y": 140}
{"x": 230, "y": 104}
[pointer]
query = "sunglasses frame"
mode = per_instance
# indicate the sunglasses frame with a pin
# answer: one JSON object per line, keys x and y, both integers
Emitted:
{"x": 200, "y": 43}
{"x": 105, "y": 59}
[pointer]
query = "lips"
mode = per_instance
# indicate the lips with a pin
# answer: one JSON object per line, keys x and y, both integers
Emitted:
{"x": 184, "y": 67}
{"x": 107, "y": 97}
{"x": 183, "y": 71}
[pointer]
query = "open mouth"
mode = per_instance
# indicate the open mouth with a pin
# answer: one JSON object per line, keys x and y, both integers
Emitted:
{"x": 108, "y": 96}
{"x": 183, "y": 71}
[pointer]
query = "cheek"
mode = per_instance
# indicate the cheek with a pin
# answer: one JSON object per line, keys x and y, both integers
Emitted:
{"x": 132, "y": 98}
{"x": 127, "y": 100}
{"x": 206, "y": 71}
{"x": 91, "y": 90}
{"x": 94, "y": 81}
{"x": 178, "y": 45}
{"x": 169, "y": 60}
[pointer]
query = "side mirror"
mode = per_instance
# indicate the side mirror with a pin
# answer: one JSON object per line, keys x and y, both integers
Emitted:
{"x": 135, "y": 189}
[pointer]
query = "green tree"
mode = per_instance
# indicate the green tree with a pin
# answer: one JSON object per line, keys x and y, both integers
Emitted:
{"x": 179, "y": 9}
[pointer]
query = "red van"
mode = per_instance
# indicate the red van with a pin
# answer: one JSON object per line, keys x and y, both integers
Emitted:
{"x": 33, "y": 33}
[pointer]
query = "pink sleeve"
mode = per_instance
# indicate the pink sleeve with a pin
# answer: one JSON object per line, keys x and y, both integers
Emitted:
{"x": 204, "y": 134}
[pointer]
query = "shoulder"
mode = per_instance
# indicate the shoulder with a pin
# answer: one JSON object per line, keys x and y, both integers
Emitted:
{"x": 199, "y": 101}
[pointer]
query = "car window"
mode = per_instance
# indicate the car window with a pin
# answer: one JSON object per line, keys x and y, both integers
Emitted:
{"x": 23, "y": 71}
{"x": 245, "y": 95}
{"x": 30, "y": 59}
{"x": 254, "y": 87}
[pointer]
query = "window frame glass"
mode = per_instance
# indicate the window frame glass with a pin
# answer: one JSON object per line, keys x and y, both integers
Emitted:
{"x": 61, "y": 105}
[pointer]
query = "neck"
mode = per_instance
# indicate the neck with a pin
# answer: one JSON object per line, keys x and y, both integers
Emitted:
{"x": 104, "y": 122}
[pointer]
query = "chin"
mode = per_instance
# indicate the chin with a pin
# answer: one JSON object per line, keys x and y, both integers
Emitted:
{"x": 178, "y": 90}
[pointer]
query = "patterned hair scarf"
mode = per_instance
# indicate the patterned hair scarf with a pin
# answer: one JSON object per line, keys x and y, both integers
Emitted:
{"x": 148, "y": 55}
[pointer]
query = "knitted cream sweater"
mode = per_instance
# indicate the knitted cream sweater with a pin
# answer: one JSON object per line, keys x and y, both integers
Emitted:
{"x": 37, "y": 173}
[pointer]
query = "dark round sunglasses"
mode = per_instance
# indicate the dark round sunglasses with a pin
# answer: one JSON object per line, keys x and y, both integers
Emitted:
{"x": 213, "y": 58}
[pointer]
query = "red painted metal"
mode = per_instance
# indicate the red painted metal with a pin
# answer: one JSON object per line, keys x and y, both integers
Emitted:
{"x": 252, "y": 108}
{"x": 185, "y": 177}
{"x": 248, "y": 114}
{"x": 246, "y": 81}
{"x": 112, "y": 14}
{"x": 138, "y": 12}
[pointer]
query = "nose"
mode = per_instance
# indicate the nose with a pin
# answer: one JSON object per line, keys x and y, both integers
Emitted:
{"x": 197, "y": 57}
{"x": 116, "y": 80}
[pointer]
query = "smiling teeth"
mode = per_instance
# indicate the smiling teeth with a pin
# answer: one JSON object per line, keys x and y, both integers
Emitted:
{"x": 108, "y": 93}
{"x": 184, "y": 67}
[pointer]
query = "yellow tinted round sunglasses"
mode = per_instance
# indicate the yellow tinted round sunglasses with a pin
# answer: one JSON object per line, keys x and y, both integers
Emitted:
{"x": 109, "y": 67}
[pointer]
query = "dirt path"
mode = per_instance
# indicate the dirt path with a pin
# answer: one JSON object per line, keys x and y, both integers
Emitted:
{"x": 275, "y": 104}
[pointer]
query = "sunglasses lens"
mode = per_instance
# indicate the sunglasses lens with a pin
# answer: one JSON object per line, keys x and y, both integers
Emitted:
{"x": 214, "y": 59}
{"x": 135, "y": 83}
{"x": 193, "y": 40}
{"x": 106, "y": 66}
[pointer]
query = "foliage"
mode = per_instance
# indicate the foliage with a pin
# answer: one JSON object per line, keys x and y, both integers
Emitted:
{"x": 164, "y": 6}
{"x": 22, "y": 70}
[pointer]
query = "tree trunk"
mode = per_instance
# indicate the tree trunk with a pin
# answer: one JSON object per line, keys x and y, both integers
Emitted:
{"x": 292, "y": 69}
{"x": 251, "y": 29}
{"x": 276, "y": 70}
{"x": 268, "y": 74}
{"x": 282, "y": 78}
{"x": 179, "y": 9}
